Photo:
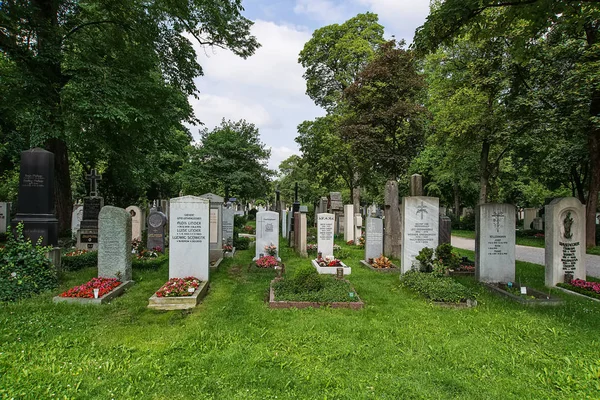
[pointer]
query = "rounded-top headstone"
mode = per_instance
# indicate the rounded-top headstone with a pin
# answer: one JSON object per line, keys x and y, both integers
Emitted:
{"x": 114, "y": 248}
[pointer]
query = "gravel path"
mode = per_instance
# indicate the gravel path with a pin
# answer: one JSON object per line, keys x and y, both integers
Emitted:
{"x": 533, "y": 255}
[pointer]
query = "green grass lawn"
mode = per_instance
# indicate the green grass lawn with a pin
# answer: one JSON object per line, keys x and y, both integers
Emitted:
{"x": 532, "y": 242}
{"x": 233, "y": 346}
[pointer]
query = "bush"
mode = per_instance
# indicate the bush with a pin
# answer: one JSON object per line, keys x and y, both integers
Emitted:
{"x": 239, "y": 221}
{"x": 467, "y": 223}
{"x": 252, "y": 214}
{"x": 425, "y": 259}
{"x": 444, "y": 255}
{"x": 149, "y": 263}
{"x": 77, "y": 262}
{"x": 24, "y": 268}
{"x": 241, "y": 243}
{"x": 435, "y": 288}
{"x": 307, "y": 279}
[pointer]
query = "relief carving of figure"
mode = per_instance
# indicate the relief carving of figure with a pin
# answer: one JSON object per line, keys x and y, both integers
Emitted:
{"x": 568, "y": 224}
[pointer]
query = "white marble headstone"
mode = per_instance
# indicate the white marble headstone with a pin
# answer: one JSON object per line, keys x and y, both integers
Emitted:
{"x": 267, "y": 232}
{"x": 325, "y": 225}
{"x": 374, "y": 238}
{"x": 495, "y": 242}
{"x": 284, "y": 223}
{"x": 420, "y": 217}
{"x": 565, "y": 240}
{"x": 136, "y": 221}
{"x": 190, "y": 238}
{"x": 348, "y": 222}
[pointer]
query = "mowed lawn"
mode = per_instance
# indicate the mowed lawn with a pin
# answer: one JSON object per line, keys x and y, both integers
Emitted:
{"x": 233, "y": 346}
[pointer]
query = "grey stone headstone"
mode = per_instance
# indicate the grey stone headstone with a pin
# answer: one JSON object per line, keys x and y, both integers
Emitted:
{"x": 303, "y": 209}
{"x": 4, "y": 216}
{"x": 189, "y": 244}
{"x": 421, "y": 217}
{"x": 538, "y": 224}
{"x": 114, "y": 250}
{"x": 445, "y": 230}
{"x": 300, "y": 233}
{"x": 137, "y": 222}
{"x": 392, "y": 222}
{"x": 228, "y": 216}
{"x": 216, "y": 225}
{"x": 325, "y": 225}
{"x": 565, "y": 240}
{"x": 374, "y": 239}
{"x": 416, "y": 185}
{"x": 336, "y": 201}
{"x": 288, "y": 225}
{"x": 529, "y": 215}
{"x": 267, "y": 232}
{"x": 495, "y": 242}
{"x": 322, "y": 205}
{"x": 284, "y": 226}
{"x": 358, "y": 225}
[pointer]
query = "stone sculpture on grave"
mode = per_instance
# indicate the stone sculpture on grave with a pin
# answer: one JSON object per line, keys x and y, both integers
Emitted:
{"x": 114, "y": 250}
{"x": 374, "y": 238}
{"x": 156, "y": 229}
{"x": 267, "y": 233}
{"x": 36, "y": 197}
{"x": 4, "y": 216}
{"x": 421, "y": 228}
{"x": 325, "y": 227}
{"x": 137, "y": 222}
{"x": 392, "y": 222}
{"x": 565, "y": 240}
{"x": 190, "y": 238}
{"x": 495, "y": 226}
{"x": 216, "y": 225}
{"x": 87, "y": 238}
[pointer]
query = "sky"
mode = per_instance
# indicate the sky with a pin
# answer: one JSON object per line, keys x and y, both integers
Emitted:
{"x": 267, "y": 89}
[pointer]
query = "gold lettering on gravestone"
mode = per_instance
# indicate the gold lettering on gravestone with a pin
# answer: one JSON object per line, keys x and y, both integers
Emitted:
{"x": 33, "y": 180}
{"x": 189, "y": 229}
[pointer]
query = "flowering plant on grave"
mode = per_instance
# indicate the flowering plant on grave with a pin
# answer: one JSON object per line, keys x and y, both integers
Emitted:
{"x": 135, "y": 245}
{"x": 75, "y": 253}
{"x": 271, "y": 249}
{"x": 249, "y": 229}
{"x": 382, "y": 262}
{"x": 329, "y": 261}
{"x": 144, "y": 254}
{"x": 580, "y": 283}
{"x": 350, "y": 242}
{"x": 266, "y": 262}
{"x": 227, "y": 248}
{"x": 361, "y": 242}
{"x": 177, "y": 287}
{"x": 105, "y": 285}
{"x": 311, "y": 247}
{"x": 337, "y": 247}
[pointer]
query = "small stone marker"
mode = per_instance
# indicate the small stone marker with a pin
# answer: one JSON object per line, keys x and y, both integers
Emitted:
{"x": 228, "y": 216}
{"x": 4, "y": 216}
{"x": 156, "y": 229}
{"x": 339, "y": 273}
{"x": 325, "y": 226}
{"x": 137, "y": 219}
{"x": 538, "y": 223}
{"x": 374, "y": 239}
{"x": 189, "y": 242}
{"x": 348, "y": 222}
{"x": 114, "y": 250}
{"x": 267, "y": 232}
{"x": 495, "y": 242}
{"x": 421, "y": 228}
{"x": 565, "y": 240}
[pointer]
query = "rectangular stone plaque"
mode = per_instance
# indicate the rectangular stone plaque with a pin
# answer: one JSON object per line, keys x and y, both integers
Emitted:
{"x": 495, "y": 242}
{"x": 325, "y": 225}
{"x": 374, "y": 239}
{"x": 228, "y": 225}
{"x": 267, "y": 232}
{"x": 114, "y": 248}
{"x": 420, "y": 228}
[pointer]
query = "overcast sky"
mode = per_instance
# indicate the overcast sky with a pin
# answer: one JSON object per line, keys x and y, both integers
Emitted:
{"x": 267, "y": 89}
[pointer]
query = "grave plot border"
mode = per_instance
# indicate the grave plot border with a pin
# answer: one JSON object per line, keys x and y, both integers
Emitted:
{"x": 116, "y": 292}
{"x": 354, "y": 305}
{"x": 179, "y": 302}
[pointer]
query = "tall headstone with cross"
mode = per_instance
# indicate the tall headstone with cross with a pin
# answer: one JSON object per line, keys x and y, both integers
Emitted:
{"x": 87, "y": 237}
{"x": 420, "y": 229}
{"x": 495, "y": 242}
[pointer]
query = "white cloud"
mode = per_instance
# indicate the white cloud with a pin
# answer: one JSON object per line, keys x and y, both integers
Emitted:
{"x": 278, "y": 154}
{"x": 322, "y": 10}
{"x": 400, "y": 17}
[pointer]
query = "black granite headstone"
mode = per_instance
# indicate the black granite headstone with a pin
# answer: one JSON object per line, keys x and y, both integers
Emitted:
{"x": 445, "y": 230}
{"x": 156, "y": 229}
{"x": 36, "y": 197}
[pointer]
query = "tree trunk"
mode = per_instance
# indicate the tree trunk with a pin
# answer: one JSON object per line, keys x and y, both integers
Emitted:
{"x": 356, "y": 199}
{"x": 484, "y": 172}
{"x": 594, "y": 188}
{"x": 578, "y": 184}
{"x": 62, "y": 183}
{"x": 456, "y": 191}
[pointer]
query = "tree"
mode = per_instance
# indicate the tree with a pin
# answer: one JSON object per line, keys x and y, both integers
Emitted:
{"x": 229, "y": 159}
{"x": 384, "y": 119}
{"x": 295, "y": 169}
{"x": 95, "y": 73}
{"x": 535, "y": 20}
{"x": 335, "y": 55}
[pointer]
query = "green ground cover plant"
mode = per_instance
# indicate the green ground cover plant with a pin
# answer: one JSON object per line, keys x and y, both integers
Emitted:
{"x": 436, "y": 288}
{"x": 233, "y": 346}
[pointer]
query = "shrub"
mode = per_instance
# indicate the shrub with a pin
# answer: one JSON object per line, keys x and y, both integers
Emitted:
{"x": 306, "y": 279}
{"x": 467, "y": 222}
{"x": 436, "y": 288}
{"x": 76, "y": 260}
{"x": 241, "y": 243}
{"x": 252, "y": 214}
{"x": 425, "y": 259}
{"x": 239, "y": 221}
{"x": 444, "y": 255}
{"x": 24, "y": 268}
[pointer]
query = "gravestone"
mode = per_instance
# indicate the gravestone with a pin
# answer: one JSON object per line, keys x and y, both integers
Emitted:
{"x": 267, "y": 232}
{"x": 114, "y": 250}
{"x": 565, "y": 240}
{"x": 289, "y": 224}
{"x": 36, "y": 197}
{"x": 421, "y": 217}
{"x": 416, "y": 185}
{"x": 336, "y": 203}
{"x": 325, "y": 227}
{"x": 228, "y": 217}
{"x": 392, "y": 223}
{"x": 495, "y": 242}
{"x": 4, "y": 216}
{"x": 323, "y": 205}
{"x": 87, "y": 238}
{"x": 216, "y": 225}
{"x": 538, "y": 224}
{"x": 374, "y": 239}
{"x": 137, "y": 222}
{"x": 189, "y": 244}
{"x": 156, "y": 229}
{"x": 445, "y": 230}
{"x": 529, "y": 215}
{"x": 443, "y": 211}
{"x": 300, "y": 234}
{"x": 76, "y": 218}
{"x": 284, "y": 226}
{"x": 348, "y": 222}
{"x": 358, "y": 222}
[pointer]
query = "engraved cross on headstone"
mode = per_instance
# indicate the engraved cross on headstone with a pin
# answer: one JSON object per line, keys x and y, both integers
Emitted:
{"x": 496, "y": 216}
{"x": 422, "y": 209}
{"x": 93, "y": 177}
